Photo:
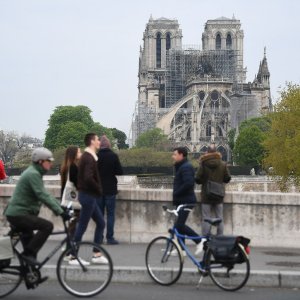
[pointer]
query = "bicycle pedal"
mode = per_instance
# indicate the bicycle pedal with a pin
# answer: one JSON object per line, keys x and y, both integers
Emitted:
{"x": 42, "y": 279}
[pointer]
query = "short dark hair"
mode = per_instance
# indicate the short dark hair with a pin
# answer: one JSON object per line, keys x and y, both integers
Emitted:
{"x": 88, "y": 138}
{"x": 181, "y": 150}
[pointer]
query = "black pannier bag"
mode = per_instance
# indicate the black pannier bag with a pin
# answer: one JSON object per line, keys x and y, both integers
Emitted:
{"x": 226, "y": 248}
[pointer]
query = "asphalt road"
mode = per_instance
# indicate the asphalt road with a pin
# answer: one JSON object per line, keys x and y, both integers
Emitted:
{"x": 52, "y": 290}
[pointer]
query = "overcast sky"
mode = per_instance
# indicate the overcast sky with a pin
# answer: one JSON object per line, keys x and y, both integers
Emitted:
{"x": 85, "y": 52}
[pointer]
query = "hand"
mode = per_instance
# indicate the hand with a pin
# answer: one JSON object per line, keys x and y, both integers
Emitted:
{"x": 65, "y": 216}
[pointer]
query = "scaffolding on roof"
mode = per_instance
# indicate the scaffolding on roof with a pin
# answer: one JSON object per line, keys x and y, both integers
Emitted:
{"x": 185, "y": 65}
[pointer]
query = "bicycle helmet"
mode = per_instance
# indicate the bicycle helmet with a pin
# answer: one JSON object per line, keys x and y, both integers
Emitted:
{"x": 41, "y": 154}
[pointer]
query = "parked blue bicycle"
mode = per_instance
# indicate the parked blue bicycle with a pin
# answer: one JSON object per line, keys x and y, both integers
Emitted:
{"x": 225, "y": 258}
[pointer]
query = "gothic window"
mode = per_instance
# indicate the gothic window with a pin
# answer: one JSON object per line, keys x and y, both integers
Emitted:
{"x": 168, "y": 41}
{"x": 162, "y": 101}
{"x": 201, "y": 95}
{"x": 228, "y": 41}
{"x": 203, "y": 150}
{"x": 221, "y": 128}
{"x": 223, "y": 152}
{"x": 214, "y": 96}
{"x": 158, "y": 50}
{"x": 218, "y": 41}
{"x": 208, "y": 128}
{"x": 224, "y": 103}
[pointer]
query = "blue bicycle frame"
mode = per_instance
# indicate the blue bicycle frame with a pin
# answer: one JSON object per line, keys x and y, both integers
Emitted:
{"x": 180, "y": 238}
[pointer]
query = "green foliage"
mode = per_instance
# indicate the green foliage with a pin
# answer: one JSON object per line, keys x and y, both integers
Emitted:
{"x": 120, "y": 137}
{"x": 69, "y": 124}
{"x": 283, "y": 141}
{"x": 263, "y": 123}
{"x": 145, "y": 157}
{"x": 248, "y": 149}
{"x": 59, "y": 156}
{"x": 153, "y": 138}
{"x": 231, "y": 136}
{"x": 71, "y": 133}
{"x": 57, "y": 124}
{"x": 101, "y": 130}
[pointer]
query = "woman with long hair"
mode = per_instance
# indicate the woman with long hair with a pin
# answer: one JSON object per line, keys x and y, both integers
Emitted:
{"x": 69, "y": 168}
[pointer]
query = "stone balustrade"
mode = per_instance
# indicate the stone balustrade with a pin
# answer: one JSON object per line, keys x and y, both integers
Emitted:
{"x": 269, "y": 219}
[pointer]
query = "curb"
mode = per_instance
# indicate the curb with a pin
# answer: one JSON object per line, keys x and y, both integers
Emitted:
{"x": 258, "y": 278}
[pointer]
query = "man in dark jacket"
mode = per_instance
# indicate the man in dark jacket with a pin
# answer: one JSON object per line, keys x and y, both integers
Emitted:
{"x": 89, "y": 187}
{"x": 109, "y": 166}
{"x": 212, "y": 168}
{"x": 183, "y": 190}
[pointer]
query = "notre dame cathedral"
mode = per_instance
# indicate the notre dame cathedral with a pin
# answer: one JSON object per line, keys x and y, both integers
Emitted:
{"x": 196, "y": 95}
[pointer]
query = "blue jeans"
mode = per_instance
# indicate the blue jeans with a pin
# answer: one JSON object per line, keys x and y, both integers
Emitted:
{"x": 108, "y": 202}
{"x": 89, "y": 209}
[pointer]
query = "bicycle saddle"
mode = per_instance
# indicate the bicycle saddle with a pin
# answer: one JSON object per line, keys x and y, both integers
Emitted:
{"x": 213, "y": 221}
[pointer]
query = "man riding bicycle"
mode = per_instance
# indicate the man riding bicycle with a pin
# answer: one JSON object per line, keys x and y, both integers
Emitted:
{"x": 24, "y": 206}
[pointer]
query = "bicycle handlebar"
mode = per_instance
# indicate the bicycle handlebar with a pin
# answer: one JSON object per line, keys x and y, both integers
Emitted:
{"x": 186, "y": 207}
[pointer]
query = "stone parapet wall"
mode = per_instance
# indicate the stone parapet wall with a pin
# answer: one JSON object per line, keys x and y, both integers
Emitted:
{"x": 269, "y": 219}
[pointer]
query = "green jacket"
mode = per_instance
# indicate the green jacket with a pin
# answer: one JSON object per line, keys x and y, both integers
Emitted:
{"x": 211, "y": 167}
{"x": 30, "y": 193}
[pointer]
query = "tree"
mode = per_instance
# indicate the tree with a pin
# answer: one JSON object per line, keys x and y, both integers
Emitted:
{"x": 248, "y": 149}
{"x": 11, "y": 144}
{"x": 153, "y": 138}
{"x": 231, "y": 136}
{"x": 263, "y": 123}
{"x": 121, "y": 137}
{"x": 101, "y": 130}
{"x": 71, "y": 133}
{"x": 283, "y": 141}
{"x": 63, "y": 115}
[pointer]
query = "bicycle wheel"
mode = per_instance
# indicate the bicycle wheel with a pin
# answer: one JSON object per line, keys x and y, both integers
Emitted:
{"x": 88, "y": 279}
{"x": 10, "y": 275}
{"x": 164, "y": 261}
{"x": 229, "y": 275}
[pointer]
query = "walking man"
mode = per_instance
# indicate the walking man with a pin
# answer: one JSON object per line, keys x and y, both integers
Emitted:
{"x": 89, "y": 187}
{"x": 109, "y": 166}
{"x": 211, "y": 167}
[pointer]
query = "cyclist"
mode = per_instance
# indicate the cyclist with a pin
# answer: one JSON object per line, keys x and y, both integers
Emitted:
{"x": 24, "y": 206}
{"x": 183, "y": 193}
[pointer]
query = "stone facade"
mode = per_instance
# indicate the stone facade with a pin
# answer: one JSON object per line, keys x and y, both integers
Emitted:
{"x": 268, "y": 219}
{"x": 197, "y": 95}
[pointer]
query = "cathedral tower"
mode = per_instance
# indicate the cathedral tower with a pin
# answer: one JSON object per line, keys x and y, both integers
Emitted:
{"x": 226, "y": 34}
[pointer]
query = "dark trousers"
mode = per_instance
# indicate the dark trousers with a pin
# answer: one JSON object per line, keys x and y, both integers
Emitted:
{"x": 89, "y": 209}
{"x": 108, "y": 203}
{"x": 32, "y": 242}
{"x": 182, "y": 228}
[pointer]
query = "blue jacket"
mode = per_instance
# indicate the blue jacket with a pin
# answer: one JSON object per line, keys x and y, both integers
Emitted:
{"x": 183, "y": 187}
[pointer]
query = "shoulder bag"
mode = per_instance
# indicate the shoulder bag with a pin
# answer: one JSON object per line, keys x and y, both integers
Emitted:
{"x": 70, "y": 194}
{"x": 215, "y": 191}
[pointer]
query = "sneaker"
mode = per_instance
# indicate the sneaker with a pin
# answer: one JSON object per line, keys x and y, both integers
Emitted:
{"x": 199, "y": 247}
{"x": 101, "y": 260}
{"x": 74, "y": 261}
{"x": 174, "y": 252}
{"x": 112, "y": 242}
{"x": 68, "y": 257}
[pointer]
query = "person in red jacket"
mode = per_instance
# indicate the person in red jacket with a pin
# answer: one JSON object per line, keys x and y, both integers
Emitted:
{"x": 2, "y": 171}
